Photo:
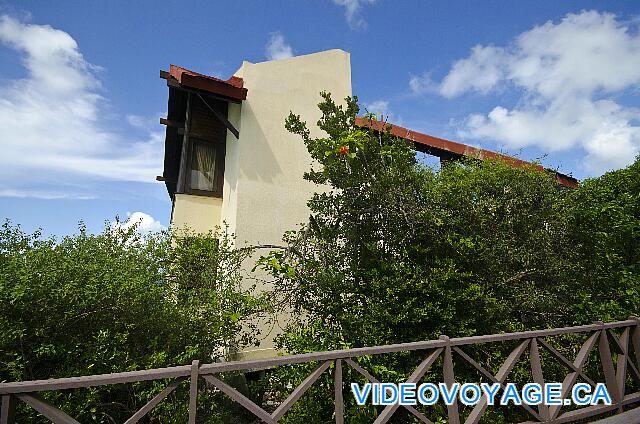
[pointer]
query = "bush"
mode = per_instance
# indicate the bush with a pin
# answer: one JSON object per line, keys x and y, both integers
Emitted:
{"x": 117, "y": 301}
{"x": 397, "y": 252}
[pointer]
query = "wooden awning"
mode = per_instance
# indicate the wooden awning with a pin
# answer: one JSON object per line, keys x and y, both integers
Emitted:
{"x": 231, "y": 89}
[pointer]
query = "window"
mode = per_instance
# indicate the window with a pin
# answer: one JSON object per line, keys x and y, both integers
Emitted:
{"x": 206, "y": 168}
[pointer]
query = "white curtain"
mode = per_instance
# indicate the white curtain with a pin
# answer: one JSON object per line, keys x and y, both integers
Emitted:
{"x": 203, "y": 166}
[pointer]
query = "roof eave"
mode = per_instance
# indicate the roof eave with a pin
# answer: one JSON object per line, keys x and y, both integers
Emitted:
{"x": 446, "y": 149}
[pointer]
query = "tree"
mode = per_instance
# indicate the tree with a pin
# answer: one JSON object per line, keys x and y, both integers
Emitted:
{"x": 117, "y": 301}
{"x": 604, "y": 226}
{"x": 396, "y": 252}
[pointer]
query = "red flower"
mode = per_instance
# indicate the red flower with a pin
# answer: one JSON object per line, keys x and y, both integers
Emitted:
{"x": 344, "y": 150}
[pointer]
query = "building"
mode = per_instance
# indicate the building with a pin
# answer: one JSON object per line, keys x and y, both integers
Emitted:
{"x": 228, "y": 157}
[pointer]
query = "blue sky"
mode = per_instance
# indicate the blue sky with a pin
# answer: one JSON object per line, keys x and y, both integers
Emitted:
{"x": 80, "y": 95}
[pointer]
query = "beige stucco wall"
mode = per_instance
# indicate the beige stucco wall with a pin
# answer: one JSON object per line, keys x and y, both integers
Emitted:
{"x": 265, "y": 166}
{"x": 197, "y": 213}
{"x": 264, "y": 192}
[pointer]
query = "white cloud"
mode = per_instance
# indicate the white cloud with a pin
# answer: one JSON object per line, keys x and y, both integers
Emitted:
{"x": 423, "y": 84}
{"x": 379, "y": 107}
{"x": 277, "y": 47}
{"x": 568, "y": 74}
{"x": 145, "y": 223}
{"x": 480, "y": 72}
{"x": 51, "y": 120}
{"x": 352, "y": 9}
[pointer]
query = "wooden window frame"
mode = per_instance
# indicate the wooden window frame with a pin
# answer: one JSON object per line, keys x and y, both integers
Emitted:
{"x": 219, "y": 169}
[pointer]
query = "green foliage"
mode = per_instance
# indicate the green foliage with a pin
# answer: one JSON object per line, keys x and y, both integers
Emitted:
{"x": 116, "y": 301}
{"x": 393, "y": 252}
{"x": 397, "y": 252}
{"x": 605, "y": 230}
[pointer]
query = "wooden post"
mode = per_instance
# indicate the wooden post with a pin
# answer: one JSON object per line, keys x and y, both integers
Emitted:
{"x": 8, "y": 411}
{"x": 193, "y": 392}
{"x": 337, "y": 387}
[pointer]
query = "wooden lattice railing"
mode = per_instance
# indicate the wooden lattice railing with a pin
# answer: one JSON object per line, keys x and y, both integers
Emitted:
{"x": 618, "y": 352}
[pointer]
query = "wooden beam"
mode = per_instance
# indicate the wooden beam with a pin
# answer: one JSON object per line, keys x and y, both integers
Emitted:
{"x": 165, "y": 75}
{"x": 171, "y": 123}
{"x": 182, "y": 177}
{"x": 222, "y": 118}
{"x": 182, "y": 131}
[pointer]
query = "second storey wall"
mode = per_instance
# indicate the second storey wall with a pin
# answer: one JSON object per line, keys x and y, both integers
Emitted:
{"x": 265, "y": 194}
{"x": 264, "y": 168}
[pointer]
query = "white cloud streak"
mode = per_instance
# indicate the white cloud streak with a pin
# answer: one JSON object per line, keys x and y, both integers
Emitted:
{"x": 277, "y": 47}
{"x": 43, "y": 194}
{"x": 568, "y": 75}
{"x": 352, "y": 12}
{"x": 51, "y": 119}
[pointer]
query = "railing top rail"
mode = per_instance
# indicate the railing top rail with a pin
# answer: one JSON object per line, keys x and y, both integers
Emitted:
{"x": 403, "y": 347}
{"x": 94, "y": 380}
{"x": 213, "y": 368}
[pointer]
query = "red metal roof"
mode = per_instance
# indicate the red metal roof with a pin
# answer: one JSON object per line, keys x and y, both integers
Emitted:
{"x": 232, "y": 88}
{"x": 450, "y": 149}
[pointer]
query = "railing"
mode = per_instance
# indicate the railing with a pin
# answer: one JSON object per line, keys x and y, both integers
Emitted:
{"x": 615, "y": 343}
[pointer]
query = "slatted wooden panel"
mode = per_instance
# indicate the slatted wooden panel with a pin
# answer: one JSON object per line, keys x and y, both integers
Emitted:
{"x": 204, "y": 124}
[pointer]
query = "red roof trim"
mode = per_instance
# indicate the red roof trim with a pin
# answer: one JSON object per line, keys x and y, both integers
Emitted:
{"x": 446, "y": 148}
{"x": 232, "y": 88}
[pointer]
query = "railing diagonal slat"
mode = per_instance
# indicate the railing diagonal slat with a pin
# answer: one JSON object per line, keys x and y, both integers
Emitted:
{"x": 372, "y": 379}
{"x": 361, "y": 370}
{"x": 240, "y": 398}
{"x": 633, "y": 367}
{"x": 476, "y": 365}
{"x": 51, "y": 412}
{"x": 571, "y": 378}
{"x": 621, "y": 365}
{"x": 299, "y": 391}
{"x": 566, "y": 362}
{"x": 536, "y": 373}
{"x": 607, "y": 367}
{"x": 614, "y": 341}
{"x": 413, "y": 378}
{"x": 501, "y": 376}
{"x": 156, "y": 400}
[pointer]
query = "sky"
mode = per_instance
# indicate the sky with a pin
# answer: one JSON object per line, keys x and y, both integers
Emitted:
{"x": 81, "y": 97}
